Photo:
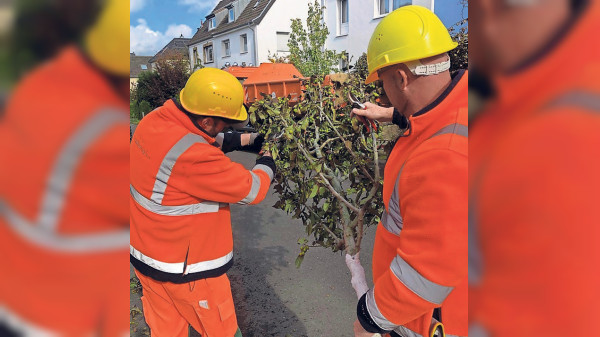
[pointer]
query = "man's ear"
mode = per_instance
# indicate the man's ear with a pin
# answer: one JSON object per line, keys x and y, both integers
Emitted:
{"x": 402, "y": 77}
{"x": 206, "y": 122}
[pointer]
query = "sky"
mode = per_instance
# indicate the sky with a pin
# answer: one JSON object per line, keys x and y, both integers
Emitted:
{"x": 155, "y": 22}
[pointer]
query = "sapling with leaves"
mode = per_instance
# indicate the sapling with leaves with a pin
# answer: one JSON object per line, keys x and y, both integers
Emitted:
{"x": 330, "y": 173}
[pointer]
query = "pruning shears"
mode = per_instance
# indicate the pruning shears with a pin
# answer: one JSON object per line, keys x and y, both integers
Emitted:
{"x": 356, "y": 104}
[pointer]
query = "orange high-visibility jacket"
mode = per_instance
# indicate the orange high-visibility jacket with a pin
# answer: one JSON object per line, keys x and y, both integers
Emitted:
{"x": 420, "y": 253}
{"x": 64, "y": 216}
{"x": 534, "y": 177}
{"x": 181, "y": 188}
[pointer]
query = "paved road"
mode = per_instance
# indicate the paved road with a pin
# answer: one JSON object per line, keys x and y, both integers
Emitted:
{"x": 272, "y": 296}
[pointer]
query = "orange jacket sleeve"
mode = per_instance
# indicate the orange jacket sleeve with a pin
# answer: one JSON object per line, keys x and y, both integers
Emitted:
{"x": 210, "y": 175}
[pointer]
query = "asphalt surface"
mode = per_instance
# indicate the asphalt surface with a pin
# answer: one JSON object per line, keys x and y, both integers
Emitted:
{"x": 272, "y": 296}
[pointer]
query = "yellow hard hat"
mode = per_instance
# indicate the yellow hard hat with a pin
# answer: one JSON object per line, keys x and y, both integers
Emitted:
{"x": 407, "y": 34}
{"x": 107, "y": 41}
{"x": 214, "y": 92}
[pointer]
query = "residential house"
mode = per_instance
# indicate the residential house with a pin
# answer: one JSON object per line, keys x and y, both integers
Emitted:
{"x": 137, "y": 65}
{"x": 245, "y": 32}
{"x": 175, "y": 48}
{"x": 351, "y": 23}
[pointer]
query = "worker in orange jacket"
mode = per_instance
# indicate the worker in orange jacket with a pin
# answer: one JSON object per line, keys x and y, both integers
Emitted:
{"x": 533, "y": 173}
{"x": 64, "y": 218}
{"x": 420, "y": 253}
{"x": 181, "y": 188}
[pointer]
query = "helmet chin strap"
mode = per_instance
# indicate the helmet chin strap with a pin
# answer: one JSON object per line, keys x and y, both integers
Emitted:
{"x": 420, "y": 69}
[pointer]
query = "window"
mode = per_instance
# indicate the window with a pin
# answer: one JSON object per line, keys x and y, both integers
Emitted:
{"x": 231, "y": 15}
{"x": 208, "y": 54}
{"x": 344, "y": 11}
{"x": 195, "y": 54}
{"x": 212, "y": 23}
{"x": 282, "y": 41}
{"x": 385, "y": 6}
{"x": 243, "y": 43}
{"x": 399, "y": 3}
{"x": 342, "y": 27}
{"x": 226, "y": 48}
{"x": 144, "y": 67}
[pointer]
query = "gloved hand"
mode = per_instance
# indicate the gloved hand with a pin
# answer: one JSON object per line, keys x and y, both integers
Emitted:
{"x": 255, "y": 143}
{"x": 359, "y": 283}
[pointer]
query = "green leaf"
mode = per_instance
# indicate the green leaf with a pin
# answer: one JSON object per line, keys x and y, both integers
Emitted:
{"x": 299, "y": 260}
{"x": 314, "y": 191}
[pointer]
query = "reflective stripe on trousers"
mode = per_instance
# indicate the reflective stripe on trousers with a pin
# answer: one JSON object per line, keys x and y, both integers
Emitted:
{"x": 42, "y": 231}
{"x": 404, "y": 272}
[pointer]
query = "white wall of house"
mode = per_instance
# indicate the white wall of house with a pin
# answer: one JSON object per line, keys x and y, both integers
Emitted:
{"x": 363, "y": 16}
{"x": 237, "y": 55}
{"x": 278, "y": 20}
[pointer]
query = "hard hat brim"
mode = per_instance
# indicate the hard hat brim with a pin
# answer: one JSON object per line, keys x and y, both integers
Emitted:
{"x": 372, "y": 77}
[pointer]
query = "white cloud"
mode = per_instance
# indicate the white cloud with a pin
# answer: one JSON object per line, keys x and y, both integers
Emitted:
{"x": 145, "y": 41}
{"x": 199, "y": 6}
{"x": 136, "y": 5}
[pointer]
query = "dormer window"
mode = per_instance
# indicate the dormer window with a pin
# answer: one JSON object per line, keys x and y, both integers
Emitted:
{"x": 212, "y": 22}
{"x": 231, "y": 15}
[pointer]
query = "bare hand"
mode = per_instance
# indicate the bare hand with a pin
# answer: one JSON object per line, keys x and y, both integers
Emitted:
{"x": 359, "y": 331}
{"x": 266, "y": 154}
{"x": 373, "y": 112}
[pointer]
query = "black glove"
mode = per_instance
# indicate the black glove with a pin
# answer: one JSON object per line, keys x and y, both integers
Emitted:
{"x": 256, "y": 143}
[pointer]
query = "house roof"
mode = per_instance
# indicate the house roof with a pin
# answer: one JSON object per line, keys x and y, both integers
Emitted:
{"x": 135, "y": 65}
{"x": 254, "y": 11}
{"x": 177, "y": 45}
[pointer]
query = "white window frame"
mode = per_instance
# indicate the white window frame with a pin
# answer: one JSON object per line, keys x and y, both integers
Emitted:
{"x": 231, "y": 15}
{"x": 243, "y": 43}
{"x": 212, "y": 23}
{"x": 226, "y": 48}
{"x": 144, "y": 66}
{"x": 287, "y": 49}
{"x": 205, "y": 48}
{"x": 342, "y": 27}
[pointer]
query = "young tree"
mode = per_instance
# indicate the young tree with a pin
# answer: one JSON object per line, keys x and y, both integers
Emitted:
{"x": 459, "y": 56}
{"x": 307, "y": 44}
{"x": 330, "y": 174}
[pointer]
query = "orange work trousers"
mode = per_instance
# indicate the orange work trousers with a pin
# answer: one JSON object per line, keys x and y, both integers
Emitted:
{"x": 206, "y": 305}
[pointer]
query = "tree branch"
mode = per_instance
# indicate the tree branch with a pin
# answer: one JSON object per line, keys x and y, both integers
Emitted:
{"x": 330, "y": 231}
{"x": 349, "y": 148}
{"x": 373, "y": 191}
